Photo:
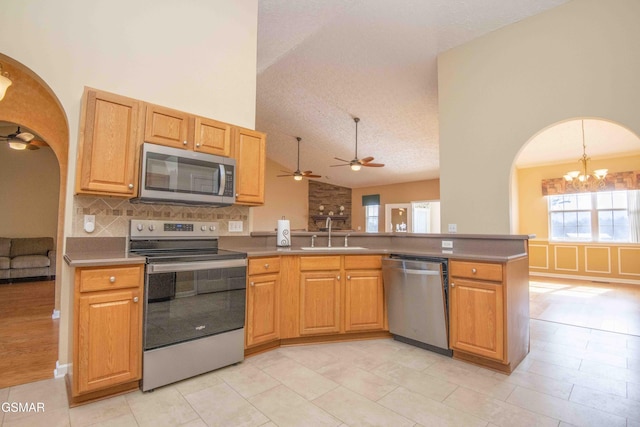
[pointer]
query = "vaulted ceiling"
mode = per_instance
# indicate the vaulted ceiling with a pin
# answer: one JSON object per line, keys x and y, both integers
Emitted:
{"x": 323, "y": 62}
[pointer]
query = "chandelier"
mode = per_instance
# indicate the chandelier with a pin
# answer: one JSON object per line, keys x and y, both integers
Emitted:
{"x": 582, "y": 181}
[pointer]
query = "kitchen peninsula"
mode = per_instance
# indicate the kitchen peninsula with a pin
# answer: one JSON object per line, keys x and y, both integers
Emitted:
{"x": 301, "y": 294}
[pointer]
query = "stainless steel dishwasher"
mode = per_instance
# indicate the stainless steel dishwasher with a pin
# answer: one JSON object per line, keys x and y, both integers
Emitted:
{"x": 416, "y": 294}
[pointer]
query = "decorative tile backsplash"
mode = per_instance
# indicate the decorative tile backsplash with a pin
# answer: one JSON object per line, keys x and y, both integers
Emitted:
{"x": 113, "y": 215}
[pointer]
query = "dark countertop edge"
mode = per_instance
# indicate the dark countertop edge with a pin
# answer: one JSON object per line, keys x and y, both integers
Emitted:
{"x": 88, "y": 259}
{"x": 262, "y": 252}
{"x": 403, "y": 235}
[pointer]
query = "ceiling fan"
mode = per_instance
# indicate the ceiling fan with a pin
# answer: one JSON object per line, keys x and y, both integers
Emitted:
{"x": 297, "y": 175}
{"x": 21, "y": 140}
{"x": 357, "y": 163}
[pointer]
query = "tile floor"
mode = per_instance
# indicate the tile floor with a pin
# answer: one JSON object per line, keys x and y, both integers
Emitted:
{"x": 573, "y": 376}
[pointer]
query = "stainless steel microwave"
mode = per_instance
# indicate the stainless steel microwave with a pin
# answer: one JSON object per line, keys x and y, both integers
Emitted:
{"x": 176, "y": 176}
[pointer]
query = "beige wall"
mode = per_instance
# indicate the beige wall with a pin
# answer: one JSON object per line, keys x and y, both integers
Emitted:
{"x": 198, "y": 57}
{"x": 532, "y": 205}
{"x": 283, "y": 197}
{"x": 29, "y": 188}
{"x": 393, "y": 193}
{"x": 577, "y": 60}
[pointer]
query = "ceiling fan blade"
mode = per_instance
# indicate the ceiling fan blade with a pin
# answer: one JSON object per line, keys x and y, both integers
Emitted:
{"x": 310, "y": 174}
{"x": 333, "y": 166}
{"x": 342, "y": 160}
{"x": 38, "y": 143}
{"x": 366, "y": 160}
{"x": 313, "y": 176}
{"x": 32, "y": 147}
{"x": 373, "y": 165}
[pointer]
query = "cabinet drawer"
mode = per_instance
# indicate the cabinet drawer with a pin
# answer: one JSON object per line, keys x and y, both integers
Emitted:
{"x": 359, "y": 262}
{"x": 477, "y": 270}
{"x": 106, "y": 278}
{"x": 314, "y": 263}
{"x": 264, "y": 265}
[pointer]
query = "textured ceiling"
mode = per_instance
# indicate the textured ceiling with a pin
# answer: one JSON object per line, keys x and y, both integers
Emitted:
{"x": 323, "y": 62}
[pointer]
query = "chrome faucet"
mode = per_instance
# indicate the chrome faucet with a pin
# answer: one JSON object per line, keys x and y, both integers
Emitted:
{"x": 313, "y": 241}
{"x": 328, "y": 226}
{"x": 346, "y": 240}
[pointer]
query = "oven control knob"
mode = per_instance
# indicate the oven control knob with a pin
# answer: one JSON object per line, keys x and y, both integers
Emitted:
{"x": 203, "y": 228}
{"x": 151, "y": 227}
{"x": 140, "y": 227}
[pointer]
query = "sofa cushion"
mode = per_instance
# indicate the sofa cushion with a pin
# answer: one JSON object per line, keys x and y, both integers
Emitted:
{"x": 30, "y": 261}
{"x": 5, "y": 246}
{"x": 31, "y": 246}
{"x": 4, "y": 262}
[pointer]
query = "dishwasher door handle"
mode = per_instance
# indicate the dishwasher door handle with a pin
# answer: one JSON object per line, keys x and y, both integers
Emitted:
{"x": 422, "y": 272}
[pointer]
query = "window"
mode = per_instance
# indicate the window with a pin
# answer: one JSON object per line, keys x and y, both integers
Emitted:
{"x": 371, "y": 218}
{"x": 599, "y": 217}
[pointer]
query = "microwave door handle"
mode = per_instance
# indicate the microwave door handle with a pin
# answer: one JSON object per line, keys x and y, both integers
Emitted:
{"x": 223, "y": 180}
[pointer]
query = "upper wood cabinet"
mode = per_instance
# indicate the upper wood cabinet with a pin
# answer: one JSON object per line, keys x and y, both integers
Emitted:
{"x": 173, "y": 128}
{"x": 165, "y": 126}
{"x": 249, "y": 150}
{"x": 109, "y": 140}
{"x": 212, "y": 137}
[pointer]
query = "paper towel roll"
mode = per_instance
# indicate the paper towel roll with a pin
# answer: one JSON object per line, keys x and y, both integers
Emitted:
{"x": 284, "y": 233}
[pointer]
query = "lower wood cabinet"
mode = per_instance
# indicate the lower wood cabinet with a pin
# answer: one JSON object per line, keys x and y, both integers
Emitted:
{"x": 489, "y": 312}
{"x": 263, "y": 301}
{"x": 107, "y": 331}
{"x": 364, "y": 295}
{"x": 320, "y": 298}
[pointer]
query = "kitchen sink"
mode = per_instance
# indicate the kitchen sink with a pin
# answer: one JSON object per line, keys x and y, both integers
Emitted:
{"x": 333, "y": 248}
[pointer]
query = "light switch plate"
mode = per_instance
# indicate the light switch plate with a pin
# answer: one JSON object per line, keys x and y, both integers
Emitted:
{"x": 453, "y": 228}
{"x": 235, "y": 226}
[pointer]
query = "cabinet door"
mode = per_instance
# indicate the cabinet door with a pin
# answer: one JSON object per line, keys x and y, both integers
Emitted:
{"x": 212, "y": 137}
{"x": 477, "y": 318}
{"x": 319, "y": 302}
{"x": 109, "y": 344}
{"x": 107, "y": 160}
{"x": 165, "y": 126}
{"x": 263, "y": 309}
{"x": 249, "y": 150}
{"x": 364, "y": 301}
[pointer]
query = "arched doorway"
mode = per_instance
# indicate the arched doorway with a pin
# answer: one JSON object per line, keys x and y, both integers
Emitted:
{"x": 30, "y": 102}
{"x": 586, "y": 245}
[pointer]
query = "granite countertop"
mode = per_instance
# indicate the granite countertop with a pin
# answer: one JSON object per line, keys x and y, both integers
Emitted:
{"x": 99, "y": 251}
{"x": 296, "y": 250}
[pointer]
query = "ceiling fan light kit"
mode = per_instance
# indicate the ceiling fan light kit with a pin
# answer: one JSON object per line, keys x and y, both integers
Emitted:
{"x": 5, "y": 82}
{"x": 20, "y": 140}
{"x": 356, "y": 164}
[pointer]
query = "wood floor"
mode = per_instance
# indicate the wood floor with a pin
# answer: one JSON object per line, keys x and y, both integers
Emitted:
{"x": 595, "y": 305}
{"x": 28, "y": 334}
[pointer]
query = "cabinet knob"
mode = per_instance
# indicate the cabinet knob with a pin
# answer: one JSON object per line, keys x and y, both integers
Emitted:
{"x": 198, "y": 145}
{"x": 453, "y": 285}
{"x": 131, "y": 186}
{"x": 474, "y": 271}
{"x": 348, "y": 277}
{"x": 112, "y": 279}
{"x": 338, "y": 277}
{"x": 253, "y": 283}
{"x": 266, "y": 266}
{"x": 135, "y": 299}
{"x": 184, "y": 142}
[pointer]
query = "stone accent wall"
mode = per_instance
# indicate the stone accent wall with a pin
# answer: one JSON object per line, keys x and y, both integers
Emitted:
{"x": 331, "y": 197}
{"x": 113, "y": 215}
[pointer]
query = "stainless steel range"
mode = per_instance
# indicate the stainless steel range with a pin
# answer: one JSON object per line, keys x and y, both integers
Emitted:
{"x": 195, "y": 299}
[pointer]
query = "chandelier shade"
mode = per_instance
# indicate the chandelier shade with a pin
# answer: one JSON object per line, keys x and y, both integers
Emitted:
{"x": 581, "y": 180}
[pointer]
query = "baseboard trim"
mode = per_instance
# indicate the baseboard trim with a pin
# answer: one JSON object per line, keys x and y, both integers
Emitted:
{"x": 588, "y": 278}
{"x": 61, "y": 370}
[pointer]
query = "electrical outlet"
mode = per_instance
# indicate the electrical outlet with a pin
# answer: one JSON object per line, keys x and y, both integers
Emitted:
{"x": 453, "y": 228}
{"x": 235, "y": 226}
{"x": 448, "y": 244}
{"x": 89, "y": 223}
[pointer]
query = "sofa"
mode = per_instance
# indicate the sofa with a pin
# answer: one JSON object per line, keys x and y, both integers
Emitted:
{"x": 27, "y": 257}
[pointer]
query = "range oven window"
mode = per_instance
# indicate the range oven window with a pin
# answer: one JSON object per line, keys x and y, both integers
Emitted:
{"x": 186, "y": 305}
{"x": 181, "y": 175}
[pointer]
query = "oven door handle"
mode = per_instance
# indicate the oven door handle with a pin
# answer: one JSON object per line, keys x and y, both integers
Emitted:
{"x": 196, "y": 265}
